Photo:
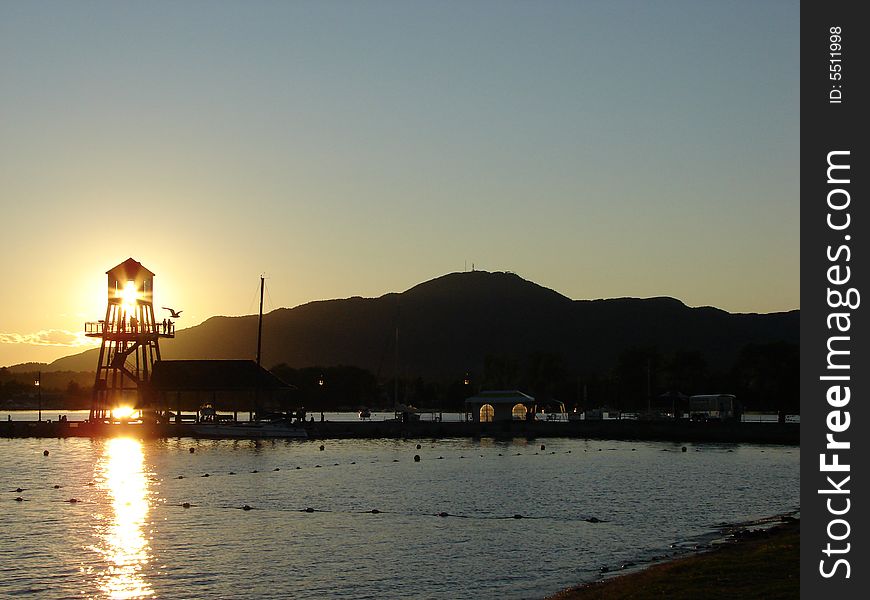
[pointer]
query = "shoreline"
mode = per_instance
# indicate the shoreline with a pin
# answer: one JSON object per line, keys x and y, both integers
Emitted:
{"x": 757, "y": 559}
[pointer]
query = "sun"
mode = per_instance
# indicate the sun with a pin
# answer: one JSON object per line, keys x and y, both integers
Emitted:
{"x": 129, "y": 295}
{"x": 123, "y": 412}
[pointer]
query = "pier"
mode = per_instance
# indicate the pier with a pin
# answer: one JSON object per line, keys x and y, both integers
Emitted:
{"x": 676, "y": 431}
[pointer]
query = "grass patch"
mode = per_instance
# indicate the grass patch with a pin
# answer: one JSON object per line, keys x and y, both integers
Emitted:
{"x": 760, "y": 565}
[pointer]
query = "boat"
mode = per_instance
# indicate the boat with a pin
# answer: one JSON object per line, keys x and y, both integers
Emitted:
{"x": 365, "y": 414}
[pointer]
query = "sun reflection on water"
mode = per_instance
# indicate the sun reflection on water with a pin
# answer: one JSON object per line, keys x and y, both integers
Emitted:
{"x": 123, "y": 544}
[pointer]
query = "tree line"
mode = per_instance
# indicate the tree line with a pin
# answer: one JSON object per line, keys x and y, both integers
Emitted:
{"x": 764, "y": 377}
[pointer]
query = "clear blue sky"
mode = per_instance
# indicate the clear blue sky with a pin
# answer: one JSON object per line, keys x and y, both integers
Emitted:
{"x": 612, "y": 148}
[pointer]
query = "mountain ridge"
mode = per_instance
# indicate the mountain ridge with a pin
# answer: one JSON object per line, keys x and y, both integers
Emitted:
{"x": 450, "y": 324}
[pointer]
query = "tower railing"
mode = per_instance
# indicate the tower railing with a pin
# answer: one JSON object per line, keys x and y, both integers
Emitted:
{"x": 101, "y": 328}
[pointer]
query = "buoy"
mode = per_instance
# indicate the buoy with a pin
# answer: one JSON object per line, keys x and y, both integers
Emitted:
{"x": 45, "y": 452}
{"x": 57, "y": 487}
{"x": 418, "y": 446}
{"x": 180, "y": 477}
{"x": 19, "y": 490}
{"x": 246, "y": 507}
{"x": 543, "y": 447}
{"x": 192, "y": 450}
{"x": 321, "y": 447}
{"x": 185, "y": 505}
{"x": 416, "y": 458}
{"x": 684, "y": 449}
{"x": 375, "y": 511}
{"x": 19, "y": 499}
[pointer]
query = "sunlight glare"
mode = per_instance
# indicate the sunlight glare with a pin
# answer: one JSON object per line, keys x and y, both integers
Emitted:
{"x": 123, "y": 412}
{"x": 124, "y": 544}
{"x": 129, "y": 295}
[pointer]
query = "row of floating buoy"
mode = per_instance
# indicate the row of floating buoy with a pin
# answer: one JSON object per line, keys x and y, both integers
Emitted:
{"x": 374, "y": 511}
{"x": 419, "y": 447}
{"x": 417, "y": 458}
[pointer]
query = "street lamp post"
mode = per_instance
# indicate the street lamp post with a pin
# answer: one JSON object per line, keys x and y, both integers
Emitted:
{"x": 38, "y": 384}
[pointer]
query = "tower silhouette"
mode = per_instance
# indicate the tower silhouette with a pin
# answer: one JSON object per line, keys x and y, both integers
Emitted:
{"x": 130, "y": 340}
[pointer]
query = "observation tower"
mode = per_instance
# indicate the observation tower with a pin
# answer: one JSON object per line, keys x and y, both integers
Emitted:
{"x": 130, "y": 340}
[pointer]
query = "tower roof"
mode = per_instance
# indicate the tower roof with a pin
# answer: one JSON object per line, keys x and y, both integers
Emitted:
{"x": 130, "y": 267}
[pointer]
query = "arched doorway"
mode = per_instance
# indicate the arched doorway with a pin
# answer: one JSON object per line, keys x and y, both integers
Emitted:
{"x": 487, "y": 412}
{"x": 519, "y": 411}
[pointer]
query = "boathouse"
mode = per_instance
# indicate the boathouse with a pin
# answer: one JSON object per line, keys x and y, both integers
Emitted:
{"x": 226, "y": 385}
{"x": 715, "y": 407}
{"x": 499, "y": 405}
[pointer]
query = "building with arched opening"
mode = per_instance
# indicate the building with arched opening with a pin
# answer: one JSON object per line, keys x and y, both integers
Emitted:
{"x": 499, "y": 406}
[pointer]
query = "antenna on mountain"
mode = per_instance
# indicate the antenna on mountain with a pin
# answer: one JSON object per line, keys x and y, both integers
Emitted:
{"x": 472, "y": 267}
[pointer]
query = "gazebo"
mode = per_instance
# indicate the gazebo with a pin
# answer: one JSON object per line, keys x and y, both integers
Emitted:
{"x": 499, "y": 406}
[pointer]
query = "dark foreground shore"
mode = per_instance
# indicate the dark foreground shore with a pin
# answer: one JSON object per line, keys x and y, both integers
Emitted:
{"x": 760, "y": 564}
{"x": 674, "y": 431}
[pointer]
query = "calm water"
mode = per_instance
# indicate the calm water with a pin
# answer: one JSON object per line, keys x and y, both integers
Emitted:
{"x": 129, "y": 536}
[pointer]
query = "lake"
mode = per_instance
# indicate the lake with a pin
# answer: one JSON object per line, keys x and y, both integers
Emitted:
{"x": 311, "y": 533}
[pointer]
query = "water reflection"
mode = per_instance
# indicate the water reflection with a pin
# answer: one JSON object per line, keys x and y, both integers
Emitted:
{"x": 123, "y": 544}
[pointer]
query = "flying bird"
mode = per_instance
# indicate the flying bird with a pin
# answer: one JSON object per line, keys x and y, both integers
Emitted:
{"x": 176, "y": 314}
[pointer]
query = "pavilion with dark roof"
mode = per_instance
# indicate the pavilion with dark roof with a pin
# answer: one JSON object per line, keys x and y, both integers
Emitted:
{"x": 226, "y": 385}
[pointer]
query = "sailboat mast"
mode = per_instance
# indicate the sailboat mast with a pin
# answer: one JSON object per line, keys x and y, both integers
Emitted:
{"x": 260, "y": 322}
